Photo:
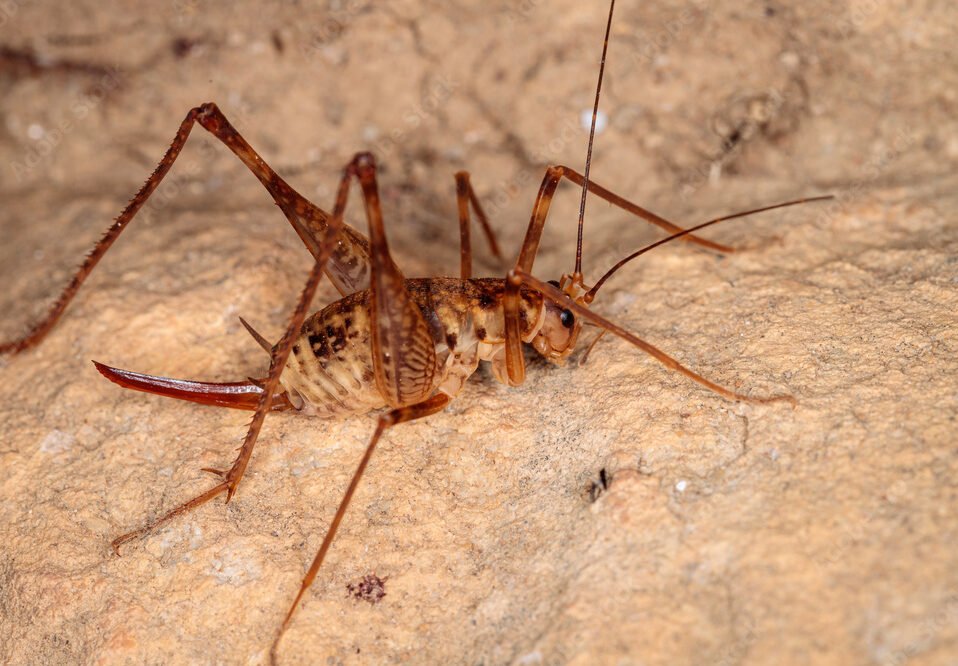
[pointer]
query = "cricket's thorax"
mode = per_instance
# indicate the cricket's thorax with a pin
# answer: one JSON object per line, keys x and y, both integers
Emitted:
{"x": 330, "y": 370}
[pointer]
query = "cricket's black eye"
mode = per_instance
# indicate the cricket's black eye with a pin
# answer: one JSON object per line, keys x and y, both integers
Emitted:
{"x": 554, "y": 283}
{"x": 567, "y": 318}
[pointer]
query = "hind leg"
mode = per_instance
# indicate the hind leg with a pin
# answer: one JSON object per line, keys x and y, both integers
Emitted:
{"x": 349, "y": 264}
{"x": 280, "y": 354}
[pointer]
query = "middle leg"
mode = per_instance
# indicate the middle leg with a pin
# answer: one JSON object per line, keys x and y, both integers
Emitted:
{"x": 515, "y": 365}
{"x": 403, "y": 356}
{"x": 431, "y": 406}
{"x": 465, "y": 196}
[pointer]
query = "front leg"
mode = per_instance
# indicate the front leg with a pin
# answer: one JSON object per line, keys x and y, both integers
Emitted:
{"x": 515, "y": 364}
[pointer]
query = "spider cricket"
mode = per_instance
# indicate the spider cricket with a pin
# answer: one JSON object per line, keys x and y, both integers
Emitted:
{"x": 391, "y": 342}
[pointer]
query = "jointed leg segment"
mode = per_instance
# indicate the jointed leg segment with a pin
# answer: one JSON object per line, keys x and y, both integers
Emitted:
{"x": 280, "y": 354}
{"x": 349, "y": 267}
{"x": 518, "y": 277}
{"x": 430, "y": 406}
{"x": 547, "y": 189}
{"x": 42, "y": 327}
{"x": 465, "y": 196}
{"x": 521, "y": 276}
{"x": 515, "y": 365}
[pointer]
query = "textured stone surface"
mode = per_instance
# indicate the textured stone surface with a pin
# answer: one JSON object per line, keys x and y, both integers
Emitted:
{"x": 730, "y": 533}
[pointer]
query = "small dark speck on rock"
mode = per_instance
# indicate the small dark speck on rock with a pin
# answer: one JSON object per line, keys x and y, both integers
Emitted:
{"x": 370, "y": 588}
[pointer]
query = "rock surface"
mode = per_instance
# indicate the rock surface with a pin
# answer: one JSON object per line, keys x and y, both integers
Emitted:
{"x": 729, "y": 533}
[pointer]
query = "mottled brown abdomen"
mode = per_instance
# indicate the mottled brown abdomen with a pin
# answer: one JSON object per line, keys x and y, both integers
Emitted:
{"x": 330, "y": 370}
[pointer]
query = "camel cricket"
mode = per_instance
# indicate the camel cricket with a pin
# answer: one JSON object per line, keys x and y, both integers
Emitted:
{"x": 403, "y": 345}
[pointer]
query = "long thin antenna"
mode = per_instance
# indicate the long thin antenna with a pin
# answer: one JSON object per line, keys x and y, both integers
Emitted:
{"x": 588, "y": 158}
{"x": 590, "y": 295}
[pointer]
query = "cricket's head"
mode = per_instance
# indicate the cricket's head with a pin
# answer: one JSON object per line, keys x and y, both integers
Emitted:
{"x": 557, "y": 337}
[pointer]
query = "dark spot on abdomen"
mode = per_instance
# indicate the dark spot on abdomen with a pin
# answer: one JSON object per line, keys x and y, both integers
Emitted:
{"x": 319, "y": 345}
{"x": 451, "y": 340}
{"x": 481, "y": 333}
{"x": 486, "y": 302}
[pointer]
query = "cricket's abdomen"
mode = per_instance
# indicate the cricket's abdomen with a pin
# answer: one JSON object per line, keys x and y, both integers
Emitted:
{"x": 330, "y": 368}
